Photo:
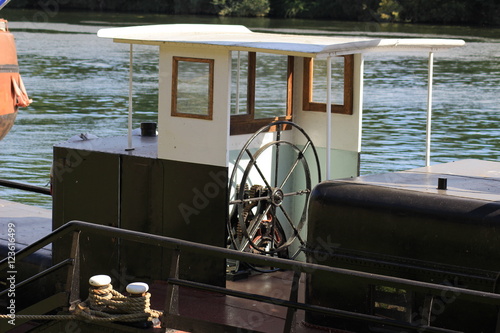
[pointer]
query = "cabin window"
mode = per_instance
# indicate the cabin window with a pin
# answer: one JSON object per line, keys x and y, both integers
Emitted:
{"x": 342, "y": 84}
{"x": 264, "y": 93}
{"x": 239, "y": 82}
{"x": 192, "y": 88}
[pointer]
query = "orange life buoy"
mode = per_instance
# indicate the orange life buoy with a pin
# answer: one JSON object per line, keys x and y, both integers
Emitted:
{"x": 12, "y": 91}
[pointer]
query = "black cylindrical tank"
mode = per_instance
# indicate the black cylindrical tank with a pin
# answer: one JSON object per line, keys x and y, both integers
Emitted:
{"x": 427, "y": 236}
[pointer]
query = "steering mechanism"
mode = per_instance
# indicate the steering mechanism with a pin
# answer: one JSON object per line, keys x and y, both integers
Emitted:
{"x": 269, "y": 189}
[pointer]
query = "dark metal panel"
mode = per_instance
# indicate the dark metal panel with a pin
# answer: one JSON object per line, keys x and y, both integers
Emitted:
{"x": 195, "y": 209}
{"x": 141, "y": 200}
{"x": 85, "y": 187}
{"x": 99, "y": 182}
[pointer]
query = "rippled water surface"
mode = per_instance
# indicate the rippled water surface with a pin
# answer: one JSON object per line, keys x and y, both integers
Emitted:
{"x": 79, "y": 84}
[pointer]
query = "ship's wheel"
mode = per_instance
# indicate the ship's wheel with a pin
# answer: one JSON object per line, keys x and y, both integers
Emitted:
{"x": 269, "y": 190}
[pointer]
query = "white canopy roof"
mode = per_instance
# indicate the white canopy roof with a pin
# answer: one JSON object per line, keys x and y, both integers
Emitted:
{"x": 240, "y": 38}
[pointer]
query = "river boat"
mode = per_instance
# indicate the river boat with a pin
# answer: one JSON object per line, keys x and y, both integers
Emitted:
{"x": 12, "y": 92}
{"x": 241, "y": 219}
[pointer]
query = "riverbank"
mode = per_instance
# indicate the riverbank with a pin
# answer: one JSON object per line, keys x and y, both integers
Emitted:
{"x": 457, "y": 12}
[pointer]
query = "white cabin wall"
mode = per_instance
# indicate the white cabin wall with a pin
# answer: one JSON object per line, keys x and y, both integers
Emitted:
{"x": 346, "y": 129}
{"x": 190, "y": 139}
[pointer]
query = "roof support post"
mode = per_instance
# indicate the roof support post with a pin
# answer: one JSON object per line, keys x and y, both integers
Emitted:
{"x": 328, "y": 115}
{"x": 238, "y": 77}
{"x": 130, "y": 106}
{"x": 429, "y": 110}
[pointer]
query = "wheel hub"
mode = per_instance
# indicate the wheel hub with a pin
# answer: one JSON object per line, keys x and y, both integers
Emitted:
{"x": 277, "y": 197}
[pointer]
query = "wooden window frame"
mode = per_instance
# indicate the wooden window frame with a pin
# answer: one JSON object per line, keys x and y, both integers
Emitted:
{"x": 246, "y": 123}
{"x": 347, "y": 107}
{"x": 175, "y": 77}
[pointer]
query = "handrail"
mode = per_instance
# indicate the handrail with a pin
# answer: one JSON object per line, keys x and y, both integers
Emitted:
{"x": 287, "y": 264}
{"x": 181, "y": 245}
{"x": 41, "y": 274}
{"x": 25, "y": 187}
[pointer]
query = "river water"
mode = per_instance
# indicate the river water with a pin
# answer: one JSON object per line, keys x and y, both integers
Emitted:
{"x": 79, "y": 84}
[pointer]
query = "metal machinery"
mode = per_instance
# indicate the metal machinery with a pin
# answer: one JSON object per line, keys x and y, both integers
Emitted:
{"x": 437, "y": 225}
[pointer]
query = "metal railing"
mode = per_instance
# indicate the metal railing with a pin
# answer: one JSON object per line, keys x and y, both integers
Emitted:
{"x": 25, "y": 187}
{"x": 179, "y": 247}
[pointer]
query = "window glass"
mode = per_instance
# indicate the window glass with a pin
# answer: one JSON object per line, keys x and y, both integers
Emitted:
{"x": 314, "y": 97}
{"x": 239, "y": 92}
{"x": 271, "y": 86}
{"x": 265, "y": 90}
{"x": 192, "y": 94}
{"x": 319, "y": 81}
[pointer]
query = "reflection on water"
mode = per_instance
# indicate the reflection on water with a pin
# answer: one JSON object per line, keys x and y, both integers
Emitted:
{"x": 79, "y": 83}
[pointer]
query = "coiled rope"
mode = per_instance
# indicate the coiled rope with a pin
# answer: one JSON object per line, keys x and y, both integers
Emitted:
{"x": 106, "y": 305}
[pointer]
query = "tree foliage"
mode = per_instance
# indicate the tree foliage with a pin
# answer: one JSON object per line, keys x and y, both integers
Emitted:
{"x": 476, "y": 12}
{"x": 242, "y": 7}
{"x": 483, "y": 12}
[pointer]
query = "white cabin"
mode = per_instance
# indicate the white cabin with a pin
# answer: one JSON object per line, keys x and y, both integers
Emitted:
{"x": 199, "y": 118}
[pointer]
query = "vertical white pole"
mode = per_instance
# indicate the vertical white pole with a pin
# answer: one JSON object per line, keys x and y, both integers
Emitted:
{"x": 238, "y": 76}
{"x": 328, "y": 115}
{"x": 130, "y": 108}
{"x": 429, "y": 110}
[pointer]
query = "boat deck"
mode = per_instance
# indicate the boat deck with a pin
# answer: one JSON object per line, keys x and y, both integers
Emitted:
{"x": 232, "y": 311}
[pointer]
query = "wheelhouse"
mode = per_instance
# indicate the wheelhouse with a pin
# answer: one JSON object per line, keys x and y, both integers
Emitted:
{"x": 220, "y": 84}
{"x": 226, "y": 94}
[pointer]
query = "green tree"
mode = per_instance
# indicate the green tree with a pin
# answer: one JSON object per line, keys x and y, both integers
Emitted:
{"x": 289, "y": 8}
{"x": 389, "y": 10}
{"x": 242, "y": 7}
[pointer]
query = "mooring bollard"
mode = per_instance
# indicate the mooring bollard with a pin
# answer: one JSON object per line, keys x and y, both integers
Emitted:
{"x": 137, "y": 289}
